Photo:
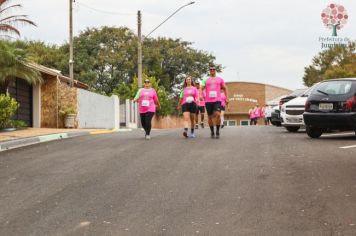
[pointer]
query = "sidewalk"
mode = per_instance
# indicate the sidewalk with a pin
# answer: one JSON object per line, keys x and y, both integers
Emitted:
{"x": 29, "y": 136}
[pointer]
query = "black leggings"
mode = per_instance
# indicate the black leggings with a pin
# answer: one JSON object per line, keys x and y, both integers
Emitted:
{"x": 146, "y": 119}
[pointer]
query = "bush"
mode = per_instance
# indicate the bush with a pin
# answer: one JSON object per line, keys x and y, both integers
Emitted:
{"x": 18, "y": 124}
{"x": 8, "y": 107}
{"x": 67, "y": 110}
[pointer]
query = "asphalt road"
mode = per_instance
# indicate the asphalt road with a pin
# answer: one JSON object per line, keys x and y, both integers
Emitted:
{"x": 252, "y": 181}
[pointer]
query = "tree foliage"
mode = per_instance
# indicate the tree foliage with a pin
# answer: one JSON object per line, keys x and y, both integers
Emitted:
{"x": 337, "y": 62}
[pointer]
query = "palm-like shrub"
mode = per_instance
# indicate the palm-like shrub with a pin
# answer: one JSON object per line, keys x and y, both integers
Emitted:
{"x": 9, "y": 22}
{"x": 14, "y": 64}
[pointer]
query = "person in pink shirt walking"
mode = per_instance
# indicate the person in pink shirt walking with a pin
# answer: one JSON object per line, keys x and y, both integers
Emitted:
{"x": 200, "y": 108}
{"x": 148, "y": 101}
{"x": 188, "y": 100}
{"x": 213, "y": 86}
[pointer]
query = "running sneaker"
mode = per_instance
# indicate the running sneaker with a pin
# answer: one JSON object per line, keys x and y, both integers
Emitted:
{"x": 196, "y": 126}
{"x": 192, "y": 135}
{"x": 217, "y": 136}
{"x": 185, "y": 134}
{"x": 212, "y": 135}
{"x": 148, "y": 137}
{"x": 202, "y": 125}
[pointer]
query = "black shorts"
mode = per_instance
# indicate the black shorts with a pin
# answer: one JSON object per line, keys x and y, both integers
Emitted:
{"x": 200, "y": 109}
{"x": 212, "y": 106}
{"x": 189, "y": 107}
{"x": 222, "y": 108}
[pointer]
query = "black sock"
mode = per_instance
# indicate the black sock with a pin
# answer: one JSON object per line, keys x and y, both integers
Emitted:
{"x": 218, "y": 129}
{"x": 192, "y": 130}
{"x": 212, "y": 129}
{"x": 186, "y": 129}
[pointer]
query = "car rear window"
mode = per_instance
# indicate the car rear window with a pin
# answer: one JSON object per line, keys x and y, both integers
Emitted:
{"x": 334, "y": 87}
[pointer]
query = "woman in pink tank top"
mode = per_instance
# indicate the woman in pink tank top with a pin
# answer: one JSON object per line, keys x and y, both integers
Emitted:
{"x": 188, "y": 101}
{"x": 148, "y": 100}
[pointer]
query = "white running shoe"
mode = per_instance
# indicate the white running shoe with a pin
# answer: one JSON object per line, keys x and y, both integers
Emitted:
{"x": 148, "y": 137}
{"x": 192, "y": 135}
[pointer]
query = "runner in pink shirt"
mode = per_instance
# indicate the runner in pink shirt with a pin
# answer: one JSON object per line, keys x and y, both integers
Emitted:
{"x": 188, "y": 100}
{"x": 213, "y": 86}
{"x": 200, "y": 109}
{"x": 148, "y": 100}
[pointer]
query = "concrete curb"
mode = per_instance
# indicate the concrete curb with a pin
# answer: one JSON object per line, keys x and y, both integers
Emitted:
{"x": 7, "y": 145}
{"x": 12, "y": 144}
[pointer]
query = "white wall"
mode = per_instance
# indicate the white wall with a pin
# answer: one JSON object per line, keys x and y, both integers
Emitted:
{"x": 98, "y": 111}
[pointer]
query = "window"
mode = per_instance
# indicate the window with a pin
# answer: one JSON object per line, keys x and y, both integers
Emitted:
{"x": 340, "y": 87}
{"x": 244, "y": 122}
{"x": 230, "y": 123}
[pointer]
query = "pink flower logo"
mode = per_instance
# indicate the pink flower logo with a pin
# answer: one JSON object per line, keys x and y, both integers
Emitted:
{"x": 334, "y": 17}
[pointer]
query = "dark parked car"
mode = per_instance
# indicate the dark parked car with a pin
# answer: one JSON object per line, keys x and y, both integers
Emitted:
{"x": 276, "y": 116}
{"x": 331, "y": 106}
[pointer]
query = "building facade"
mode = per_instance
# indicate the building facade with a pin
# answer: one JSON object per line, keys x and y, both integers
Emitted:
{"x": 246, "y": 95}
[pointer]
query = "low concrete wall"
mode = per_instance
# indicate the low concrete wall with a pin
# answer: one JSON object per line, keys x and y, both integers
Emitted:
{"x": 167, "y": 122}
{"x": 98, "y": 111}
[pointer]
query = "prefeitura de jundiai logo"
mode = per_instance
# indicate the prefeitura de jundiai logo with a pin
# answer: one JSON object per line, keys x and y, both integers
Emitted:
{"x": 334, "y": 17}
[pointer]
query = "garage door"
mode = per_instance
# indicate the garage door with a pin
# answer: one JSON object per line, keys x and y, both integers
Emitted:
{"x": 22, "y": 92}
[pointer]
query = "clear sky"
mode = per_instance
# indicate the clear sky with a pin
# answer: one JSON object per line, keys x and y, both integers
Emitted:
{"x": 255, "y": 40}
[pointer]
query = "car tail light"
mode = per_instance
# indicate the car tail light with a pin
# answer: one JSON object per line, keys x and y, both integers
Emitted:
{"x": 350, "y": 103}
{"x": 307, "y": 106}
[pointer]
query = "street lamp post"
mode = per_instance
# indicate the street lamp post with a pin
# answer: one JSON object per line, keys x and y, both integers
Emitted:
{"x": 139, "y": 47}
{"x": 140, "y": 40}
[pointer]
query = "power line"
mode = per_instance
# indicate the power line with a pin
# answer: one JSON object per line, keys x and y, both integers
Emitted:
{"x": 104, "y": 11}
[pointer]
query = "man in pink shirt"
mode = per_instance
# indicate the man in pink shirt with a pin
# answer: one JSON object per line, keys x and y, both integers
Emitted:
{"x": 213, "y": 86}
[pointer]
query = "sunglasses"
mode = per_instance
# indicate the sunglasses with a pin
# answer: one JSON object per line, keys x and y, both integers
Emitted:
{"x": 213, "y": 69}
{"x": 147, "y": 82}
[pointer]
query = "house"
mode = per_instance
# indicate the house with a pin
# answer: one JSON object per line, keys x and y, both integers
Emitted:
{"x": 40, "y": 104}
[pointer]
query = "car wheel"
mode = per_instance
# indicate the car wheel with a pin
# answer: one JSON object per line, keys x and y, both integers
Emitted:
{"x": 292, "y": 129}
{"x": 314, "y": 132}
{"x": 278, "y": 124}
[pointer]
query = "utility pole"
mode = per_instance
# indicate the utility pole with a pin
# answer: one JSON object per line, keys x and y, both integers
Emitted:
{"x": 71, "y": 61}
{"x": 139, "y": 46}
{"x": 139, "y": 61}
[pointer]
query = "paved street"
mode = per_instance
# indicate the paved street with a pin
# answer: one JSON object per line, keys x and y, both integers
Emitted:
{"x": 253, "y": 181}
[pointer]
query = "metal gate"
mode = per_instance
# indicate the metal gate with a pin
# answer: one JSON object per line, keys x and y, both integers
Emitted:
{"x": 22, "y": 92}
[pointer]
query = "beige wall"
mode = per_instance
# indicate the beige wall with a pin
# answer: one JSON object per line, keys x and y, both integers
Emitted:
{"x": 167, "y": 122}
{"x": 54, "y": 96}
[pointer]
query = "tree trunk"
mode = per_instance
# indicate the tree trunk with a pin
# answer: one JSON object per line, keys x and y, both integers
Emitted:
{"x": 334, "y": 30}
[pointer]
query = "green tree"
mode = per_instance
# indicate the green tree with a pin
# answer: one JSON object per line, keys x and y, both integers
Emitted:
{"x": 128, "y": 91}
{"x": 8, "y": 22}
{"x": 44, "y": 54}
{"x": 337, "y": 62}
{"x": 15, "y": 64}
{"x": 172, "y": 60}
{"x": 104, "y": 57}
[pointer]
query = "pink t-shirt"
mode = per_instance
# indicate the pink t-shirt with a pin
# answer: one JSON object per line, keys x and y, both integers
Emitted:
{"x": 147, "y": 99}
{"x": 252, "y": 115}
{"x": 189, "y": 95}
{"x": 202, "y": 102}
{"x": 213, "y": 89}
{"x": 223, "y": 99}
{"x": 257, "y": 112}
